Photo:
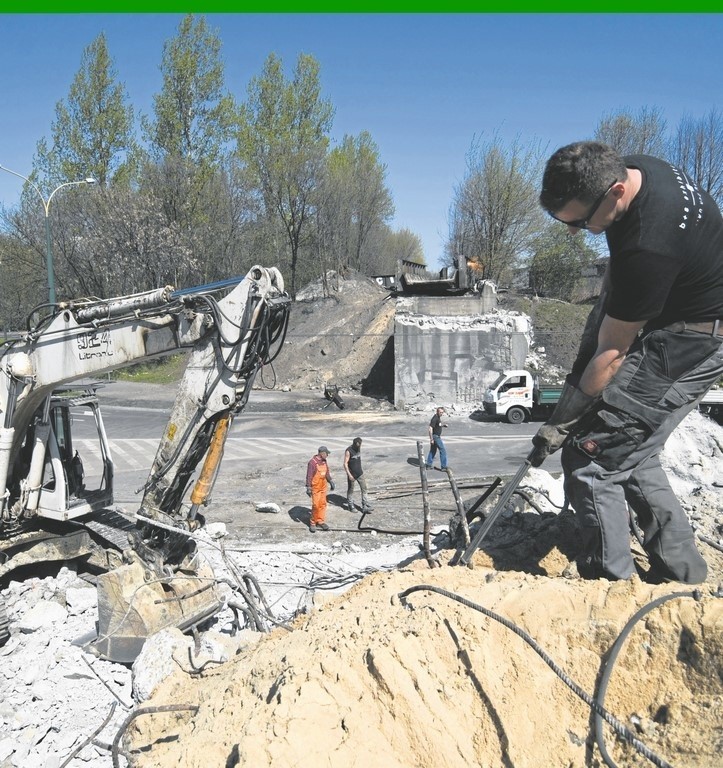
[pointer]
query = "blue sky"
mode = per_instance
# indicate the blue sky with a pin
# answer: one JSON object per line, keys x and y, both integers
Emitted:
{"x": 423, "y": 85}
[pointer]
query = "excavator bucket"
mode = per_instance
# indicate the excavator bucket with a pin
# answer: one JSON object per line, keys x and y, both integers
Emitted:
{"x": 134, "y": 603}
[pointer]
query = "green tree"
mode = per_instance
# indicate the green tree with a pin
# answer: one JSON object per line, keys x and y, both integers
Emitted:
{"x": 193, "y": 113}
{"x": 92, "y": 134}
{"x": 557, "y": 264}
{"x": 189, "y": 137}
{"x": 395, "y": 246}
{"x": 495, "y": 214}
{"x": 282, "y": 141}
{"x": 352, "y": 201}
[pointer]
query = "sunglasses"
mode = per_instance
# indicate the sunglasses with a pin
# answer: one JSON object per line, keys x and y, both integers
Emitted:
{"x": 582, "y": 223}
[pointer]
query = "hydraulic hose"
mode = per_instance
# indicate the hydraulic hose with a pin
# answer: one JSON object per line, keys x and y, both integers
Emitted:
{"x": 610, "y": 662}
{"x": 616, "y": 725}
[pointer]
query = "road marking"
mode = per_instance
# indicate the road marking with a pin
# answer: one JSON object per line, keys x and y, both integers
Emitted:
{"x": 139, "y": 453}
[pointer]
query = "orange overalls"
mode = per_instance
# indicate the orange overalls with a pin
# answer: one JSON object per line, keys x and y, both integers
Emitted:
{"x": 317, "y": 476}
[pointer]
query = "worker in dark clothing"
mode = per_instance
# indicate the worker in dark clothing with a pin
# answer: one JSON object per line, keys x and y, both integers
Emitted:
{"x": 649, "y": 354}
{"x": 355, "y": 474}
{"x": 435, "y": 440}
{"x": 317, "y": 476}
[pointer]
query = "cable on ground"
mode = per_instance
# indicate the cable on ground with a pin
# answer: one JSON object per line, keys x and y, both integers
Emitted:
{"x": 617, "y": 726}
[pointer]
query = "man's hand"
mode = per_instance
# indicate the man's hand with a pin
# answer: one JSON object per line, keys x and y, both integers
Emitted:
{"x": 572, "y": 406}
{"x": 548, "y": 439}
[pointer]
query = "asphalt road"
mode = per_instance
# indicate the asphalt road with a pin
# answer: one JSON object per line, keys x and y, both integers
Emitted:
{"x": 272, "y": 440}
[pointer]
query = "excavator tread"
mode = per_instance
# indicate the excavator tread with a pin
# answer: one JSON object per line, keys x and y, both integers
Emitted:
{"x": 4, "y": 628}
{"x": 112, "y": 527}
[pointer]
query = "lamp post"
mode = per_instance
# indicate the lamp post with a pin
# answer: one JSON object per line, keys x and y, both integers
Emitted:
{"x": 46, "y": 208}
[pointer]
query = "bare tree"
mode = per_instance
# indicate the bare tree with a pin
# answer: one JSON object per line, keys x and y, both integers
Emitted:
{"x": 495, "y": 213}
{"x": 631, "y": 134}
{"x": 23, "y": 284}
{"x": 697, "y": 147}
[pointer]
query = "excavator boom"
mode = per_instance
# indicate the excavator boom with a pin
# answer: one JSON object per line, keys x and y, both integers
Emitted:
{"x": 230, "y": 329}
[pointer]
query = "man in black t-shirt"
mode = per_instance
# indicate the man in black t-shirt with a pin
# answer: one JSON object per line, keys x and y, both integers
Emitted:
{"x": 355, "y": 474}
{"x": 651, "y": 349}
{"x": 436, "y": 425}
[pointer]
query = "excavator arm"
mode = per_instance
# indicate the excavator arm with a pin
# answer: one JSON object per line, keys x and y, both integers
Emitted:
{"x": 231, "y": 329}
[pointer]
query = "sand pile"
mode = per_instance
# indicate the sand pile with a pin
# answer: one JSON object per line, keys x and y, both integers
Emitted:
{"x": 367, "y": 679}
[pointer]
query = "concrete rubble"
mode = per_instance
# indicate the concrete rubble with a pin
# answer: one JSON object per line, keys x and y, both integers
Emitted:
{"x": 54, "y": 694}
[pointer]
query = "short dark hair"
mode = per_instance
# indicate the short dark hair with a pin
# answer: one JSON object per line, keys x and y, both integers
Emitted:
{"x": 580, "y": 171}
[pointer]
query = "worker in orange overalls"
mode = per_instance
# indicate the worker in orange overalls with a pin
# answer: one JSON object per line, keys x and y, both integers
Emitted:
{"x": 317, "y": 476}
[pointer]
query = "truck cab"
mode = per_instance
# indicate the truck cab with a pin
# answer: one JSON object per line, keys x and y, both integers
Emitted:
{"x": 517, "y": 395}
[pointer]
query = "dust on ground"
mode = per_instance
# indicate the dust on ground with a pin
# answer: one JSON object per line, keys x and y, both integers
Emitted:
{"x": 366, "y": 678}
{"x": 338, "y": 335}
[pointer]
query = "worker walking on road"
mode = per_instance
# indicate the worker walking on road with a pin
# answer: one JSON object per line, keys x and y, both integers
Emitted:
{"x": 648, "y": 354}
{"x": 317, "y": 476}
{"x": 355, "y": 474}
{"x": 435, "y": 440}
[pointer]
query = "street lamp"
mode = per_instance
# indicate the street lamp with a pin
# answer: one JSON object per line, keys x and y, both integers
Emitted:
{"x": 46, "y": 208}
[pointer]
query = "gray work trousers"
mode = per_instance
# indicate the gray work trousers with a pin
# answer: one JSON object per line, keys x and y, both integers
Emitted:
{"x": 350, "y": 490}
{"x": 611, "y": 462}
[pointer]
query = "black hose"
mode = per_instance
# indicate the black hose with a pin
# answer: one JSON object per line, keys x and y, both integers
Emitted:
{"x": 145, "y": 711}
{"x": 617, "y": 726}
{"x": 610, "y": 662}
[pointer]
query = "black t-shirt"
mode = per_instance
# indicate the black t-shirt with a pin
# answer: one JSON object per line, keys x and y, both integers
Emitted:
{"x": 354, "y": 462}
{"x": 666, "y": 253}
{"x": 436, "y": 424}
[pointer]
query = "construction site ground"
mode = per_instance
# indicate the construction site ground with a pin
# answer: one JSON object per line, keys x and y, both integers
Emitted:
{"x": 490, "y": 665}
{"x": 364, "y": 677}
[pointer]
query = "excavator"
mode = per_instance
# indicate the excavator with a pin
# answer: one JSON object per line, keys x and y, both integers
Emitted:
{"x": 150, "y": 574}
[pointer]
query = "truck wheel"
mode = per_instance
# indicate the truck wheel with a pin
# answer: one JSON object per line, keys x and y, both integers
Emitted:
{"x": 516, "y": 415}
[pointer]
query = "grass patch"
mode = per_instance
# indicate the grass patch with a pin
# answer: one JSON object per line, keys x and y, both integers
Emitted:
{"x": 557, "y": 325}
{"x": 165, "y": 370}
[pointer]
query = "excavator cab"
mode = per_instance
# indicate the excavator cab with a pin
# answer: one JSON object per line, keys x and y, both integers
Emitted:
{"x": 74, "y": 483}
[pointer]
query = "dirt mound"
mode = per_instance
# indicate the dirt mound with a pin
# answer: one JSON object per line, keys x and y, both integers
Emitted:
{"x": 338, "y": 338}
{"x": 370, "y": 680}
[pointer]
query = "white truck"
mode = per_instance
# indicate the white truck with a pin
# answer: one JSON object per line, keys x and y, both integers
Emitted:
{"x": 518, "y": 395}
{"x": 50, "y": 510}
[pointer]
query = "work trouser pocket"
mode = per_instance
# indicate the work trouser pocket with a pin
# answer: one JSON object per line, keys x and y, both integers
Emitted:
{"x": 608, "y": 436}
{"x": 663, "y": 373}
{"x": 663, "y": 369}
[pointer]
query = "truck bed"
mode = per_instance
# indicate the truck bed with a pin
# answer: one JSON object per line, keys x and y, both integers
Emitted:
{"x": 549, "y": 394}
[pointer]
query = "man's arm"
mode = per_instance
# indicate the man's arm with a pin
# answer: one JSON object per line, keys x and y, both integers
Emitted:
{"x": 346, "y": 462}
{"x": 614, "y": 340}
{"x": 310, "y": 472}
